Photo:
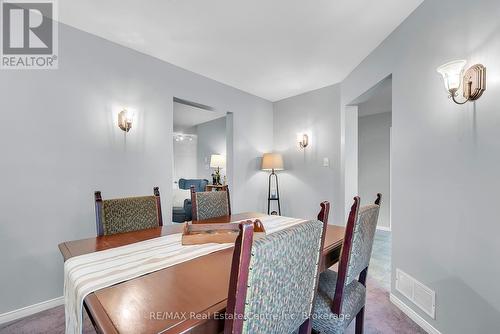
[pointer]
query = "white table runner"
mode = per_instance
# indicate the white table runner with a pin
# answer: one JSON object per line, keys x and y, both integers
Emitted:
{"x": 87, "y": 273}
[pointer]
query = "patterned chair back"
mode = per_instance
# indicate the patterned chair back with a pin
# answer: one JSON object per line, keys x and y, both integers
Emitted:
{"x": 356, "y": 249}
{"x": 127, "y": 214}
{"x": 210, "y": 204}
{"x": 274, "y": 279}
{"x": 362, "y": 241}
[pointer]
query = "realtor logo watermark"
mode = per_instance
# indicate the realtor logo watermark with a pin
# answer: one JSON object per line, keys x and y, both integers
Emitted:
{"x": 29, "y": 36}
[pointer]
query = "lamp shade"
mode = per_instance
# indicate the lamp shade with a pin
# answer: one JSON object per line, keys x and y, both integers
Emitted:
{"x": 452, "y": 73}
{"x": 272, "y": 161}
{"x": 217, "y": 161}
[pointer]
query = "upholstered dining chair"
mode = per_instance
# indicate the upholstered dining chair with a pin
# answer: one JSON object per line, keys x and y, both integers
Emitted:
{"x": 210, "y": 204}
{"x": 274, "y": 278}
{"x": 183, "y": 213}
{"x": 341, "y": 296}
{"x": 127, "y": 214}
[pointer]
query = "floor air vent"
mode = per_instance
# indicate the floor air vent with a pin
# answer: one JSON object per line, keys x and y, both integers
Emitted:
{"x": 416, "y": 292}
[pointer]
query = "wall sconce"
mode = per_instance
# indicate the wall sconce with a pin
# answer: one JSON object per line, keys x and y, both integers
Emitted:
{"x": 303, "y": 140}
{"x": 473, "y": 82}
{"x": 125, "y": 119}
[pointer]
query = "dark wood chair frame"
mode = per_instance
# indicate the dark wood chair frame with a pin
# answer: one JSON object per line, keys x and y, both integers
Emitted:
{"x": 239, "y": 275}
{"x": 194, "y": 205}
{"x": 345, "y": 255}
{"x": 98, "y": 210}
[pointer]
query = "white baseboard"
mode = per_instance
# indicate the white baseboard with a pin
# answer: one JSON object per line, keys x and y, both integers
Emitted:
{"x": 31, "y": 309}
{"x": 383, "y": 228}
{"x": 413, "y": 315}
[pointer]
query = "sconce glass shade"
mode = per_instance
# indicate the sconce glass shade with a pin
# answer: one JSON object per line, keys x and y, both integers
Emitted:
{"x": 125, "y": 120}
{"x": 272, "y": 161}
{"x": 217, "y": 161}
{"x": 303, "y": 140}
{"x": 452, "y": 73}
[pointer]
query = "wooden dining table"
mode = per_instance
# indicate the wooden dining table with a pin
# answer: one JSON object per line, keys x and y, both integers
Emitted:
{"x": 189, "y": 297}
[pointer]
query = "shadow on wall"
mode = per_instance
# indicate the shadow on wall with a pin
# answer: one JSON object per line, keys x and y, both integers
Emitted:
{"x": 293, "y": 191}
{"x": 254, "y": 165}
{"x": 462, "y": 305}
{"x": 257, "y": 181}
{"x": 484, "y": 36}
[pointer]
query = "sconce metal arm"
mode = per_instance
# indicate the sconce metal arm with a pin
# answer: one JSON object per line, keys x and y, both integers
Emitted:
{"x": 453, "y": 94}
{"x": 457, "y": 102}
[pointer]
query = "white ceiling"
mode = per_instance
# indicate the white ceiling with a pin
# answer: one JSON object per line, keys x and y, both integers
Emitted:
{"x": 272, "y": 49}
{"x": 185, "y": 117}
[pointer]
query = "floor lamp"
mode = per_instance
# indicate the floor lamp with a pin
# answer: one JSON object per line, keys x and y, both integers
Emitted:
{"x": 272, "y": 162}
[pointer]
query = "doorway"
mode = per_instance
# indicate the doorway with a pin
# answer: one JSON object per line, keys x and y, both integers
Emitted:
{"x": 201, "y": 138}
{"x": 371, "y": 134}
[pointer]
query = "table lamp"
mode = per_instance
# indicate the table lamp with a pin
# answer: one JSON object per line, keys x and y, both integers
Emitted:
{"x": 217, "y": 161}
{"x": 272, "y": 162}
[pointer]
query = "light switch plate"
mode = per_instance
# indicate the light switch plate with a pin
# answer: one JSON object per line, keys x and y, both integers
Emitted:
{"x": 326, "y": 162}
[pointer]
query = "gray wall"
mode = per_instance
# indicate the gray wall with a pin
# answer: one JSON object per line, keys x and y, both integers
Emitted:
{"x": 305, "y": 182}
{"x": 185, "y": 159}
{"x": 374, "y": 162}
{"x": 211, "y": 140}
{"x": 349, "y": 151}
{"x": 445, "y": 159}
{"x": 60, "y": 143}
